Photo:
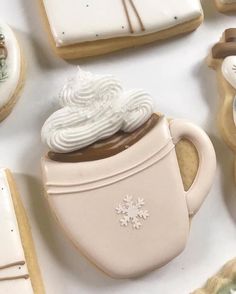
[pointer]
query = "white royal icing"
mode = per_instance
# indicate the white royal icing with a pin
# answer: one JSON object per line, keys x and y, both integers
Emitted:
{"x": 94, "y": 107}
{"x": 12, "y": 258}
{"x": 77, "y": 21}
{"x": 13, "y": 62}
{"x": 229, "y": 70}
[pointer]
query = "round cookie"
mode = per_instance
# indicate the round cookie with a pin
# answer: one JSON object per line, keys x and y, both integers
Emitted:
{"x": 122, "y": 177}
{"x": 226, "y": 5}
{"x": 222, "y": 59}
{"x": 80, "y": 28}
{"x": 223, "y": 282}
{"x": 11, "y": 70}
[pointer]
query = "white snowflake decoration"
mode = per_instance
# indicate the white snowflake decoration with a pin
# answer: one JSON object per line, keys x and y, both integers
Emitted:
{"x": 132, "y": 212}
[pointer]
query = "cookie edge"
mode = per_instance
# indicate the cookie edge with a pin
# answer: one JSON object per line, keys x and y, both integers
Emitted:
{"x": 26, "y": 237}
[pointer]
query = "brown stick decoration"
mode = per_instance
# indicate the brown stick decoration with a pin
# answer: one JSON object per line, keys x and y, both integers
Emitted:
{"x": 136, "y": 13}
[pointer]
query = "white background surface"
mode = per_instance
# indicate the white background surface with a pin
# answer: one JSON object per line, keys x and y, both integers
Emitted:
{"x": 175, "y": 73}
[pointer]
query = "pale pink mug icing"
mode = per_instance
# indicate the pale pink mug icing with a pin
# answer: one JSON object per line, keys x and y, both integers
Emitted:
{"x": 129, "y": 213}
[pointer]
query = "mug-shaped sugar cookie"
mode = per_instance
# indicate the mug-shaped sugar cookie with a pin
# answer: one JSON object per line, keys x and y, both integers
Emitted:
{"x": 223, "y": 59}
{"x": 126, "y": 208}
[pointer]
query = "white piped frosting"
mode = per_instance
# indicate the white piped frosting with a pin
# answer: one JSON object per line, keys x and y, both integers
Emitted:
{"x": 94, "y": 107}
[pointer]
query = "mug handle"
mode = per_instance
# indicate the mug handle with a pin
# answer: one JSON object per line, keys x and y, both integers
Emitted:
{"x": 182, "y": 129}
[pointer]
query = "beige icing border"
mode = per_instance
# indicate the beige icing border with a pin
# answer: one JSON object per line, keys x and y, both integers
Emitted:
{"x": 224, "y": 277}
{"x": 101, "y": 47}
{"x": 26, "y": 237}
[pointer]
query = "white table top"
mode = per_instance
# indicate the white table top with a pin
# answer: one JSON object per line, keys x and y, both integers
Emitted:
{"x": 175, "y": 73}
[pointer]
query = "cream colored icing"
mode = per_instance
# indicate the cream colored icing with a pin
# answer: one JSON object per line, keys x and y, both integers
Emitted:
{"x": 77, "y": 21}
{"x": 85, "y": 196}
{"x": 94, "y": 107}
{"x": 12, "y": 258}
{"x": 8, "y": 87}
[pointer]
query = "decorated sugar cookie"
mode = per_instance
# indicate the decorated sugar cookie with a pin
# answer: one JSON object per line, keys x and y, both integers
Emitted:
{"x": 226, "y": 5}
{"x": 81, "y": 28}
{"x": 11, "y": 70}
{"x": 112, "y": 175}
{"x": 222, "y": 283}
{"x": 223, "y": 59}
{"x": 19, "y": 271}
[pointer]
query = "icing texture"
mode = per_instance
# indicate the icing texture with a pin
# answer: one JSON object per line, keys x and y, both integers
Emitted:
{"x": 10, "y": 64}
{"x": 78, "y": 21}
{"x": 14, "y": 277}
{"x": 94, "y": 107}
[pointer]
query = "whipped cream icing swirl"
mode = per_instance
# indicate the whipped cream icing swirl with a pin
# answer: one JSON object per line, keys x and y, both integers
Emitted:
{"x": 94, "y": 107}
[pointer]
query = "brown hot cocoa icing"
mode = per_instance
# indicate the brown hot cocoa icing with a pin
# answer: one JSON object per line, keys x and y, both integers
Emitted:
{"x": 107, "y": 147}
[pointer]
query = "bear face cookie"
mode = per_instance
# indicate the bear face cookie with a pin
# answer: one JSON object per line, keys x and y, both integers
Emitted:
{"x": 223, "y": 59}
{"x": 226, "y": 5}
{"x": 81, "y": 28}
{"x": 11, "y": 70}
{"x": 112, "y": 175}
{"x": 222, "y": 283}
{"x": 19, "y": 271}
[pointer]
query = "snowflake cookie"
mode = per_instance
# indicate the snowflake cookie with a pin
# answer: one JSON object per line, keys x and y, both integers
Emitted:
{"x": 132, "y": 211}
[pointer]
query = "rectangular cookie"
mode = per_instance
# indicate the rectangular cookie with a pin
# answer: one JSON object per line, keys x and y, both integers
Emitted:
{"x": 19, "y": 271}
{"x": 80, "y": 28}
